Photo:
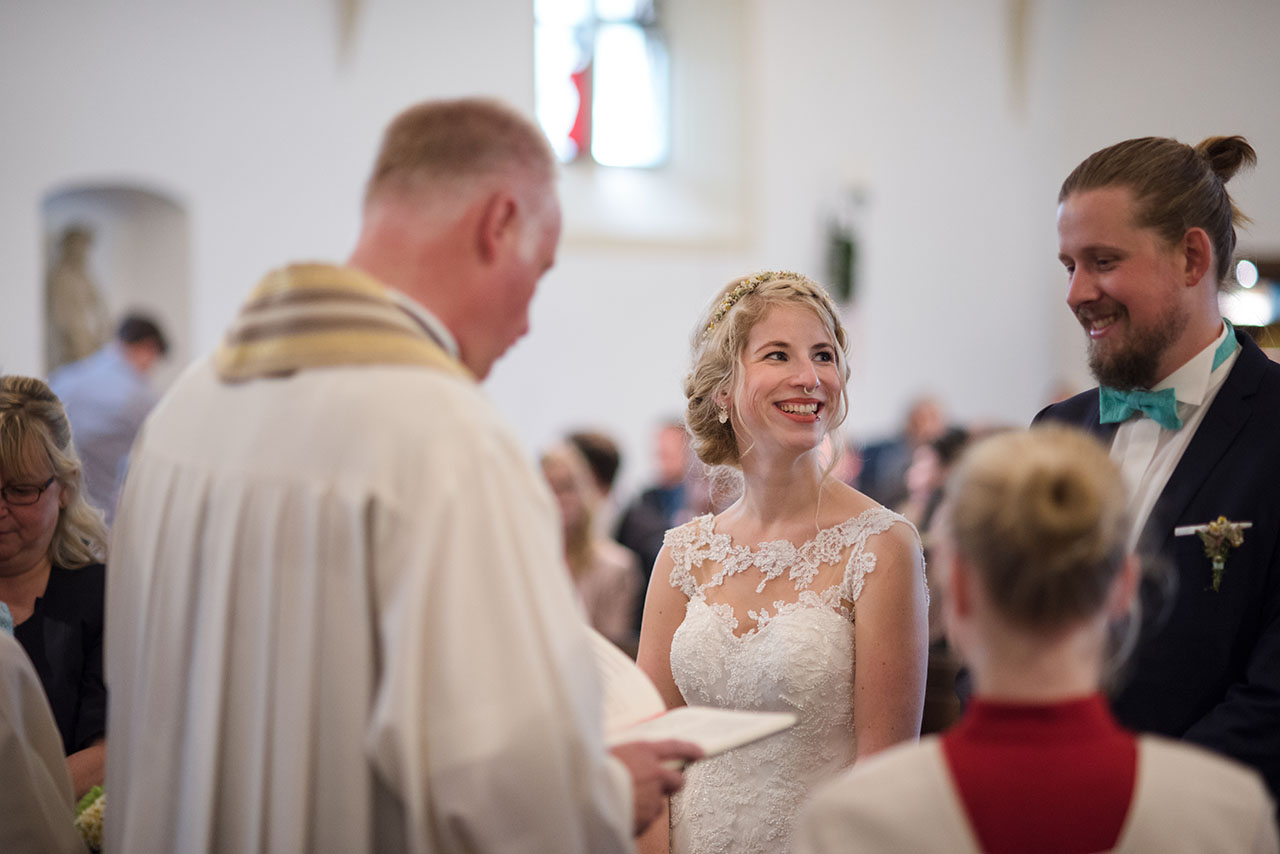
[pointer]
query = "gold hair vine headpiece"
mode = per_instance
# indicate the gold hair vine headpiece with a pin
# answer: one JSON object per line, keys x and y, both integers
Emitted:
{"x": 731, "y": 298}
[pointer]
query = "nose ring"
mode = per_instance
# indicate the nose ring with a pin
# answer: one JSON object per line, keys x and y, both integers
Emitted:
{"x": 808, "y": 390}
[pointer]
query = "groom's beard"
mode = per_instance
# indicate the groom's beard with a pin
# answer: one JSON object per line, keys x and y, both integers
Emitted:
{"x": 1132, "y": 362}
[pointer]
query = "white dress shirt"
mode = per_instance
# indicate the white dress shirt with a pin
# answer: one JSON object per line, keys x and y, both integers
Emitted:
{"x": 1148, "y": 453}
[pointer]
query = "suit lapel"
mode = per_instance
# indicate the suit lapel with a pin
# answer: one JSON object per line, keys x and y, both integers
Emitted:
{"x": 1105, "y": 433}
{"x": 1222, "y": 423}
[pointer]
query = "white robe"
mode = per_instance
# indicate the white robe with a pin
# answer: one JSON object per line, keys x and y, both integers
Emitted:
{"x": 338, "y": 620}
{"x": 1187, "y": 801}
{"x": 37, "y": 809}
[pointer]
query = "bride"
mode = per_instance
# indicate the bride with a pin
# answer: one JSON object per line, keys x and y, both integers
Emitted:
{"x": 762, "y": 606}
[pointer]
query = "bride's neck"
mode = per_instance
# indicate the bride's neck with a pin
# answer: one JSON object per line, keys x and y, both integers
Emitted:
{"x": 775, "y": 496}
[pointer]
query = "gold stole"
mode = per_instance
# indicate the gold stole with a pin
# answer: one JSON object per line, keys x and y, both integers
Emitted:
{"x": 319, "y": 316}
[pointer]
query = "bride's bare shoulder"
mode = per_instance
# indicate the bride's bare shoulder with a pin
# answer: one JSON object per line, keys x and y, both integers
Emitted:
{"x": 848, "y": 503}
{"x": 841, "y": 501}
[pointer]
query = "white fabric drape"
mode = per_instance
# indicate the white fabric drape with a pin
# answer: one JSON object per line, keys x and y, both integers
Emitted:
{"x": 37, "y": 810}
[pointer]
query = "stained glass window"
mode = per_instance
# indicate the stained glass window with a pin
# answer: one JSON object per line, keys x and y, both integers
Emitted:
{"x": 601, "y": 78}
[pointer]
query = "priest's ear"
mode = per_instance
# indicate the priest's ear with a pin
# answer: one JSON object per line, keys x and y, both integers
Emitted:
{"x": 497, "y": 225}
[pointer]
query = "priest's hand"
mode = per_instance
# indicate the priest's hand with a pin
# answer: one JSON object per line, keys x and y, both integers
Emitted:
{"x": 656, "y": 774}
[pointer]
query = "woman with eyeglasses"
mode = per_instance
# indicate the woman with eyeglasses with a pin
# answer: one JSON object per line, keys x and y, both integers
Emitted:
{"x": 52, "y": 578}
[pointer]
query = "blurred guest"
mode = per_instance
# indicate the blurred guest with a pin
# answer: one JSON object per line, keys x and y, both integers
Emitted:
{"x": 604, "y": 459}
{"x": 52, "y": 545}
{"x": 927, "y": 475}
{"x": 663, "y": 505}
{"x": 604, "y": 573}
{"x": 1035, "y": 563}
{"x": 107, "y": 397}
{"x": 885, "y": 463}
{"x": 847, "y": 463}
{"x": 927, "y": 479}
{"x": 37, "y": 810}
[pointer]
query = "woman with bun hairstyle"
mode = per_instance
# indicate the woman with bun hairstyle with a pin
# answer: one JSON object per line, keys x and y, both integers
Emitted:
{"x": 1032, "y": 552}
{"x": 763, "y": 605}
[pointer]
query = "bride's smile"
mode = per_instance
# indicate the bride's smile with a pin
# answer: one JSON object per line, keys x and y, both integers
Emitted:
{"x": 789, "y": 374}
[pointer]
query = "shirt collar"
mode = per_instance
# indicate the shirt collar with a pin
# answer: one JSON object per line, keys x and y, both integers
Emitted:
{"x": 429, "y": 322}
{"x": 1190, "y": 383}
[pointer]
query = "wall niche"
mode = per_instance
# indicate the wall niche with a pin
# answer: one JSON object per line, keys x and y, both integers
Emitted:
{"x": 111, "y": 249}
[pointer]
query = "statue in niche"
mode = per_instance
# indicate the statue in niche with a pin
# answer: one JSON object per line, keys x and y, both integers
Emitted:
{"x": 78, "y": 319}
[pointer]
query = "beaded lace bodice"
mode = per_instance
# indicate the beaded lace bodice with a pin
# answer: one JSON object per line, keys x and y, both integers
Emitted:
{"x": 769, "y": 628}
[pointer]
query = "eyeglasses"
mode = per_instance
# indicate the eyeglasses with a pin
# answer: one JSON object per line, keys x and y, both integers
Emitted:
{"x": 21, "y": 494}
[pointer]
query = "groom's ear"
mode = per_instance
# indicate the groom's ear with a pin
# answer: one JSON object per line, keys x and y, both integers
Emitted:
{"x": 1197, "y": 252}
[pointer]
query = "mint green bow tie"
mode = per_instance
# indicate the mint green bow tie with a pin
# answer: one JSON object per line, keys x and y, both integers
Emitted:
{"x": 1160, "y": 406}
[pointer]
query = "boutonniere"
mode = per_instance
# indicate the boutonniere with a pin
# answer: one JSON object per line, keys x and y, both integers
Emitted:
{"x": 89, "y": 813}
{"x": 1219, "y": 537}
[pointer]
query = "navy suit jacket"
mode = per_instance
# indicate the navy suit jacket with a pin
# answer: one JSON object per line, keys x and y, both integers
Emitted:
{"x": 1207, "y": 669}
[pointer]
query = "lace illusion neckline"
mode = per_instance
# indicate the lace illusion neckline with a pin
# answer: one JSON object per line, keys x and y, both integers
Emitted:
{"x": 772, "y": 557}
{"x": 713, "y": 531}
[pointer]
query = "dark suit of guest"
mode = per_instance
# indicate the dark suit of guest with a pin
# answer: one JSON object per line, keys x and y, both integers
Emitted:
{"x": 643, "y": 526}
{"x": 1209, "y": 670}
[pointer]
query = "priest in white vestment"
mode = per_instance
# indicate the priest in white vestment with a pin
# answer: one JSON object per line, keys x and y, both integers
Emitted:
{"x": 337, "y": 619}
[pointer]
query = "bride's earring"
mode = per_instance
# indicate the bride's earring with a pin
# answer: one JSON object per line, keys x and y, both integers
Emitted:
{"x": 723, "y": 416}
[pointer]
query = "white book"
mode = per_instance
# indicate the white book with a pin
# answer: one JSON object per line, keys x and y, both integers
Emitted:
{"x": 634, "y": 711}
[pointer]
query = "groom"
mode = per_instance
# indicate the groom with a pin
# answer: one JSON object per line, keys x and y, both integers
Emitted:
{"x": 1191, "y": 411}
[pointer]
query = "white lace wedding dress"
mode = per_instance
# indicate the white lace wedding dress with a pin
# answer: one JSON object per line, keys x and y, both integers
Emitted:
{"x": 793, "y": 652}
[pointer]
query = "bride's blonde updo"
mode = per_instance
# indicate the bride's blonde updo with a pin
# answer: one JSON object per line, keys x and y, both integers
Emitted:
{"x": 719, "y": 341}
{"x": 1041, "y": 517}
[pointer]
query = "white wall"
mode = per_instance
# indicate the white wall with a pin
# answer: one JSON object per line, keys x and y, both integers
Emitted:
{"x": 912, "y": 100}
{"x": 255, "y": 119}
{"x": 1178, "y": 68}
